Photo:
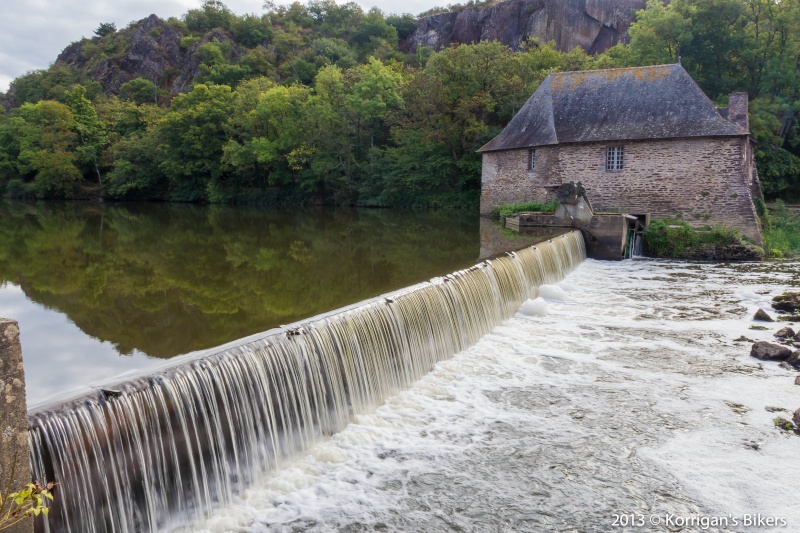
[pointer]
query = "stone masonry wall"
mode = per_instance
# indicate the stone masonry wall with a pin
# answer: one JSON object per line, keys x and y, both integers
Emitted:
{"x": 704, "y": 181}
{"x": 13, "y": 416}
{"x": 506, "y": 178}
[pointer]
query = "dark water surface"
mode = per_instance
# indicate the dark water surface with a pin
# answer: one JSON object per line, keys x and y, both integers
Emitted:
{"x": 104, "y": 290}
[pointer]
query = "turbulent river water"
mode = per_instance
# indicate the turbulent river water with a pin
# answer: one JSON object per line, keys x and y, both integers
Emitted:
{"x": 619, "y": 399}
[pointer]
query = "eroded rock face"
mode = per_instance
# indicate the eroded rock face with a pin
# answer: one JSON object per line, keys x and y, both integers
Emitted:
{"x": 154, "y": 51}
{"x": 594, "y": 25}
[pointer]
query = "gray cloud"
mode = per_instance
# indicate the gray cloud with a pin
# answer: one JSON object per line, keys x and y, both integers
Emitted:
{"x": 33, "y": 32}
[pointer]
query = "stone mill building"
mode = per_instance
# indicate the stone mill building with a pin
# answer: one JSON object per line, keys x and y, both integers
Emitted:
{"x": 641, "y": 140}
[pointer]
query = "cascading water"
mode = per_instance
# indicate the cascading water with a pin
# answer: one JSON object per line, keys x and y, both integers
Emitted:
{"x": 166, "y": 449}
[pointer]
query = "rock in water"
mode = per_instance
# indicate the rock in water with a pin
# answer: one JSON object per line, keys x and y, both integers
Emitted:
{"x": 784, "y": 333}
{"x": 789, "y": 301}
{"x": 767, "y": 351}
{"x": 797, "y": 380}
{"x": 796, "y": 418}
{"x": 762, "y": 316}
{"x": 794, "y": 359}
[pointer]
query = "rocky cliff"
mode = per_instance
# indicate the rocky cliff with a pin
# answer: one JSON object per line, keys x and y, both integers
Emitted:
{"x": 149, "y": 49}
{"x": 594, "y": 25}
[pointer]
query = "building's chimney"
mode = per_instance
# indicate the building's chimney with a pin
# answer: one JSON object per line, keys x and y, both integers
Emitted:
{"x": 737, "y": 110}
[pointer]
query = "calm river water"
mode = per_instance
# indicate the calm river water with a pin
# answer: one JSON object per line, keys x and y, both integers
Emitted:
{"x": 100, "y": 291}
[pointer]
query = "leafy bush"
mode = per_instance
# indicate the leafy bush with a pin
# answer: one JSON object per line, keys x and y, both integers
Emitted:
{"x": 505, "y": 211}
{"x": 781, "y": 232}
{"x": 670, "y": 238}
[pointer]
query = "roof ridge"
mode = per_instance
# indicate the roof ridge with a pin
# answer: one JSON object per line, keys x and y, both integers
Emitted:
{"x": 616, "y": 68}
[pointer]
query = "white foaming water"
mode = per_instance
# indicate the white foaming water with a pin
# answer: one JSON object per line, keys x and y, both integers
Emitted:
{"x": 631, "y": 397}
{"x": 554, "y": 292}
{"x": 534, "y": 307}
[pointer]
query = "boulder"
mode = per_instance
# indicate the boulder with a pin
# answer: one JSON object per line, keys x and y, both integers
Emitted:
{"x": 796, "y": 418}
{"x": 767, "y": 351}
{"x": 762, "y": 316}
{"x": 797, "y": 380}
{"x": 789, "y": 302}
{"x": 784, "y": 333}
{"x": 794, "y": 359}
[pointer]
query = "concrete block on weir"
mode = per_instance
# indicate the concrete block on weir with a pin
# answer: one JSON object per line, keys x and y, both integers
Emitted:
{"x": 14, "y": 452}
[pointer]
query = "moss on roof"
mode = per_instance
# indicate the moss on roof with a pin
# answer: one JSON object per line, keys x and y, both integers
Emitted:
{"x": 657, "y": 102}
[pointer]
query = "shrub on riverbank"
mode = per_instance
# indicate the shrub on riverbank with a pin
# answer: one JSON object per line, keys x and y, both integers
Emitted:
{"x": 507, "y": 210}
{"x": 781, "y": 231}
{"x": 678, "y": 240}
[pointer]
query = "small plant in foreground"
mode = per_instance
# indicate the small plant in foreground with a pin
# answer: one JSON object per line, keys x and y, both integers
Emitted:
{"x": 783, "y": 424}
{"x": 30, "y": 501}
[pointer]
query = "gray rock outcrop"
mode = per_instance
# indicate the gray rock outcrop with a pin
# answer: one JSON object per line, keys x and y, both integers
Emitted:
{"x": 594, "y": 25}
{"x": 153, "y": 52}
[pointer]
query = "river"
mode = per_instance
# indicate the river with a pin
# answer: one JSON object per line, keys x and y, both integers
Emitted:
{"x": 102, "y": 290}
{"x": 620, "y": 398}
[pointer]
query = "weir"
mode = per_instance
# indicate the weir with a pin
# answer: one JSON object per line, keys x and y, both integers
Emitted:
{"x": 163, "y": 450}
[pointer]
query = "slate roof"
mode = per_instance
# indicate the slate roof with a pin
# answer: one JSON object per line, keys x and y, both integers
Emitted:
{"x": 657, "y": 102}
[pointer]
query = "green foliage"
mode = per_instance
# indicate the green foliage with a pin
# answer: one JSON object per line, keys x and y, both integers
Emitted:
{"x": 670, "y": 238}
{"x": 140, "y": 91}
{"x": 31, "y": 501}
{"x": 193, "y": 135}
{"x": 322, "y": 106}
{"x": 251, "y": 31}
{"x": 405, "y": 24}
{"x": 212, "y": 14}
{"x": 507, "y": 210}
{"x": 105, "y": 28}
{"x": 781, "y": 230}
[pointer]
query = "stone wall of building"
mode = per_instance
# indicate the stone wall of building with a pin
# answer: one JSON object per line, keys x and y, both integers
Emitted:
{"x": 13, "y": 417}
{"x": 508, "y": 179}
{"x": 704, "y": 181}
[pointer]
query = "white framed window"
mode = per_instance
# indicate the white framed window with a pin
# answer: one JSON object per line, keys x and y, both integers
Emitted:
{"x": 532, "y": 160}
{"x": 614, "y": 158}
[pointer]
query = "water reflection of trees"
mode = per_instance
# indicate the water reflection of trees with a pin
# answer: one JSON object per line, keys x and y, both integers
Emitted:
{"x": 171, "y": 279}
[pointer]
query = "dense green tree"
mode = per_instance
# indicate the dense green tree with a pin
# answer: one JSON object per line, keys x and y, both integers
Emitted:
{"x": 105, "y": 28}
{"x": 140, "y": 91}
{"x": 212, "y": 14}
{"x": 194, "y": 134}
{"x": 47, "y": 148}
{"x": 91, "y": 134}
{"x": 405, "y": 24}
{"x": 251, "y": 31}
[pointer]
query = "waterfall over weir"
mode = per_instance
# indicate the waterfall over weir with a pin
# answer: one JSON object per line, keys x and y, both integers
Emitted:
{"x": 170, "y": 447}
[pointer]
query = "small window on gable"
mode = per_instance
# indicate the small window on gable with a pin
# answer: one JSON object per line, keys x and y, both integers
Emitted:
{"x": 614, "y": 158}
{"x": 532, "y": 160}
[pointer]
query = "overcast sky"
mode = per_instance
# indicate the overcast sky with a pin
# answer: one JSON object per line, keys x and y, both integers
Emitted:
{"x": 33, "y": 32}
